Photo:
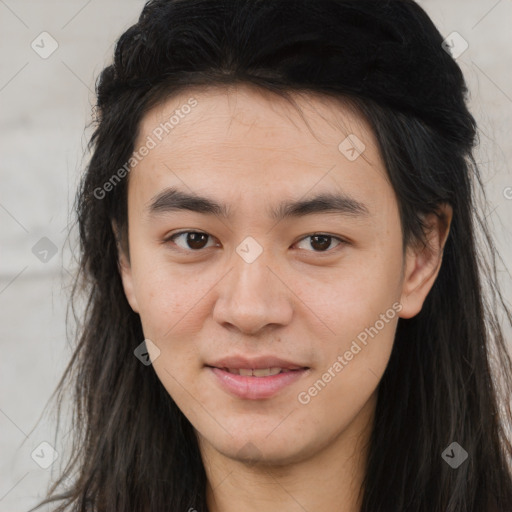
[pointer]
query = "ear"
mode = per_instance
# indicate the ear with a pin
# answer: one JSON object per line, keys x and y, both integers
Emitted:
{"x": 125, "y": 270}
{"x": 422, "y": 262}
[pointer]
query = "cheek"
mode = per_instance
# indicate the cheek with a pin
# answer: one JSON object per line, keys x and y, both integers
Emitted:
{"x": 364, "y": 312}
{"x": 168, "y": 296}
{"x": 342, "y": 387}
{"x": 363, "y": 290}
{"x": 172, "y": 310}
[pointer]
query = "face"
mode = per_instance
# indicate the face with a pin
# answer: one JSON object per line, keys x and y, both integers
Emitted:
{"x": 271, "y": 296}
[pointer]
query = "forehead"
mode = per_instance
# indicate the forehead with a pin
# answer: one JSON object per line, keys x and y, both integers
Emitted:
{"x": 246, "y": 114}
{"x": 241, "y": 141}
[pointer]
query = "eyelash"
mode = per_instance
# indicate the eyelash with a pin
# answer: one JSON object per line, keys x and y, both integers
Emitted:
{"x": 171, "y": 238}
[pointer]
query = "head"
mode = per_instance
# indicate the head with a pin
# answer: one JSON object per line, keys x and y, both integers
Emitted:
{"x": 300, "y": 199}
{"x": 254, "y": 283}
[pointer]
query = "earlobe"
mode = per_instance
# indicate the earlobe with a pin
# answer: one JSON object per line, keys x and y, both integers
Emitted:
{"x": 125, "y": 271}
{"x": 423, "y": 262}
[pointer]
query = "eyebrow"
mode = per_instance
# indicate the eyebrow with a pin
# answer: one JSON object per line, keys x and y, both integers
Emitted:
{"x": 173, "y": 199}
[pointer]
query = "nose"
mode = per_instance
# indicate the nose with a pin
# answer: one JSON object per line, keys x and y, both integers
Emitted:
{"x": 253, "y": 296}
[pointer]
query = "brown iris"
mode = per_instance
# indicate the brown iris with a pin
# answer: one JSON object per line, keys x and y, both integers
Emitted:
{"x": 325, "y": 242}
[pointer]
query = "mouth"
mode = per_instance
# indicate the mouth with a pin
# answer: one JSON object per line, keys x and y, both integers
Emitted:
{"x": 256, "y": 379}
{"x": 259, "y": 372}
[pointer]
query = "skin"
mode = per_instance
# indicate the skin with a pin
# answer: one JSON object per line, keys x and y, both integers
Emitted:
{"x": 251, "y": 150}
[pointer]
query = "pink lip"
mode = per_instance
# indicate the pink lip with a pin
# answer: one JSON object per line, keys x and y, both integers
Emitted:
{"x": 255, "y": 363}
{"x": 255, "y": 388}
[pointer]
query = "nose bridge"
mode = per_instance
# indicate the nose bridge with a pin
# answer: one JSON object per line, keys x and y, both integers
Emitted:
{"x": 251, "y": 296}
{"x": 251, "y": 273}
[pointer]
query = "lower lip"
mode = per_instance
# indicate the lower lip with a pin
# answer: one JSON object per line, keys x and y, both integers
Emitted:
{"x": 256, "y": 388}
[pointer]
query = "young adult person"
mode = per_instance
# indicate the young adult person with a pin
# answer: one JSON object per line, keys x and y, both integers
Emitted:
{"x": 286, "y": 297}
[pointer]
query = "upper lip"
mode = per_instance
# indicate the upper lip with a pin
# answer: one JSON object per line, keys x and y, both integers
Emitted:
{"x": 237, "y": 362}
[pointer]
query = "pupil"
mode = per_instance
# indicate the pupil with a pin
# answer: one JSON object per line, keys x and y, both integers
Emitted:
{"x": 193, "y": 240}
{"x": 325, "y": 238}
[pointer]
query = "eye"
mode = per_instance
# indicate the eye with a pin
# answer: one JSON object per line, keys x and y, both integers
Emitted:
{"x": 321, "y": 242}
{"x": 194, "y": 240}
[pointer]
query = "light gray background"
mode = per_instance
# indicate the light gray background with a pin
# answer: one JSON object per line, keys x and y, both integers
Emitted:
{"x": 45, "y": 105}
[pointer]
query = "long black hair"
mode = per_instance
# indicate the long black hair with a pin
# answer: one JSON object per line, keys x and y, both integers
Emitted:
{"x": 449, "y": 377}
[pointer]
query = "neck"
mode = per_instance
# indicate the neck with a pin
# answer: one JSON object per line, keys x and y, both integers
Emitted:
{"x": 327, "y": 481}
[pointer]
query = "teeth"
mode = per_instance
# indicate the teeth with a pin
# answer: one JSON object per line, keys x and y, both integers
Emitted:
{"x": 265, "y": 372}
{"x": 260, "y": 372}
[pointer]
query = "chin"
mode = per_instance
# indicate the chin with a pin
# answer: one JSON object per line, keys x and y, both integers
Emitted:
{"x": 262, "y": 449}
